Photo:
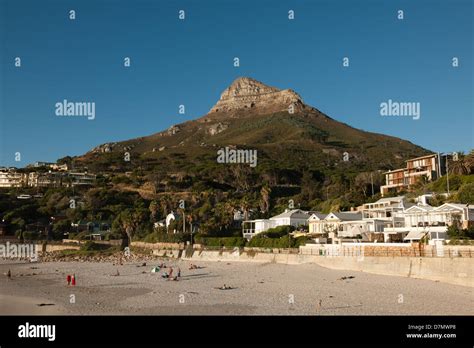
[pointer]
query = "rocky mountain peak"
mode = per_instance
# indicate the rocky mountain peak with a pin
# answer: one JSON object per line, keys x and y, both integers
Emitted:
{"x": 250, "y": 94}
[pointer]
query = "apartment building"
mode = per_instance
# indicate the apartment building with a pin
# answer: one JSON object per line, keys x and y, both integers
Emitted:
{"x": 9, "y": 177}
{"x": 80, "y": 179}
{"x": 52, "y": 179}
{"x": 429, "y": 168}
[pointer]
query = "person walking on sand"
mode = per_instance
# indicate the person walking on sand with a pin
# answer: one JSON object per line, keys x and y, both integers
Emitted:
{"x": 9, "y": 274}
{"x": 68, "y": 278}
{"x": 179, "y": 272}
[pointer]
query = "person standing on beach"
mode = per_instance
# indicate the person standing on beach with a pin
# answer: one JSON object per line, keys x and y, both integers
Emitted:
{"x": 9, "y": 274}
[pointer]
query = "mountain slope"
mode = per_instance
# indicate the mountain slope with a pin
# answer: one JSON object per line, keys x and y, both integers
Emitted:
{"x": 286, "y": 133}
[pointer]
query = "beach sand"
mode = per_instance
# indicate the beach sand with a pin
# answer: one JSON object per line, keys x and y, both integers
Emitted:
{"x": 258, "y": 289}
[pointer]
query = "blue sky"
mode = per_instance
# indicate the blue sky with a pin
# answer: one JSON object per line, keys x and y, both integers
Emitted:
{"x": 190, "y": 62}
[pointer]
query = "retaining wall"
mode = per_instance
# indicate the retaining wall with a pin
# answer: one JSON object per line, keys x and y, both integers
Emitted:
{"x": 155, "y": 246}
{"x": 57, "y": 247}
{"x": 456, "y": 270}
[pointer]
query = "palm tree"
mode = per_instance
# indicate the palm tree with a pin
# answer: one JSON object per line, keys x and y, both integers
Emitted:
{"x": 154, "y": 208}
{"x": 265, "y": 204}
{"x": 459, "y": 166}
{"x": 130, "y": 220}
{"x": 469, "y": 161}
{"x": 126, "y": 222}
{"x": 245, "y": 206}
{"x": 165, "y": 204}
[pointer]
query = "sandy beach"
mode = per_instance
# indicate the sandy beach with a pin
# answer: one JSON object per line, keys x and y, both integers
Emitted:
{"x": 257, "y": 289}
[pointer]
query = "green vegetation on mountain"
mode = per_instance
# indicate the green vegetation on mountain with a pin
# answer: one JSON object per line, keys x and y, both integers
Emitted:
{"x": 305, "y": 159}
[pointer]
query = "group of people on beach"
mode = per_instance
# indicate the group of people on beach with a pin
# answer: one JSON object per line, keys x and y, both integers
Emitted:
{"x": 71, "y": 279}
{"x": 169, "y": 275}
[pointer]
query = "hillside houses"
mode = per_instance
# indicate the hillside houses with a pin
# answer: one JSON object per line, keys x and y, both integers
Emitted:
{"x": 390, "y": 219}
{"x": 430, "y": 167}
{"x": 11, "y": 177}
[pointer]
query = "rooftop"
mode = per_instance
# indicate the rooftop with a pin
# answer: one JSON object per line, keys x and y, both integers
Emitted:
{"x": 418, "y": 158}
{"x": 294, "y": 213}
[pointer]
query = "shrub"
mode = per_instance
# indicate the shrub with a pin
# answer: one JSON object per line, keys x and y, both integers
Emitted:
{"x": 31, "y": 235}
{"x": 163, "y": 237}
{"x": 455, "y": 232}
{"x": 262, "y": 241}
{"x": 300, "y": 241}
{"x": 122, "y": 179}
{"x": 221, "y": 241}
{"x": 80, "y": 236}
{"x": 278, "y": 232}
{"x": 466, "y": 193}
{"x": 91, "y": 246}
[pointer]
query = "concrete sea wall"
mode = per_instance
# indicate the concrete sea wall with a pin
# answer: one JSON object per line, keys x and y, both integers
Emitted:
{"x": 458, "y": 271}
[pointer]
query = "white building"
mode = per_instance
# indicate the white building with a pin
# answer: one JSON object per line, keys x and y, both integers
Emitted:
{"x": 425, "y": 220}
{"x": 386, "y": 215}
{"x": 170, "y": 218}
{"x": 9, "y": 177}
{"x": 53, "y": 166}
{"x": 338, "y": 225}
{"x": 295, "y": 217}
{"x": 315, "y": 224}
{"x": 342, "y": 223}
{"x": 385, "y": 208}
{"x": 392, "y": 219}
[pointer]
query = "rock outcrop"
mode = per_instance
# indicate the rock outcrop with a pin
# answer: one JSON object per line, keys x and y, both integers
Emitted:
{"x": 173, "y": 130}
{"x": 108, "y": 147}
{"x": 253, "y": 96}
{"x": 217, "y": 128}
